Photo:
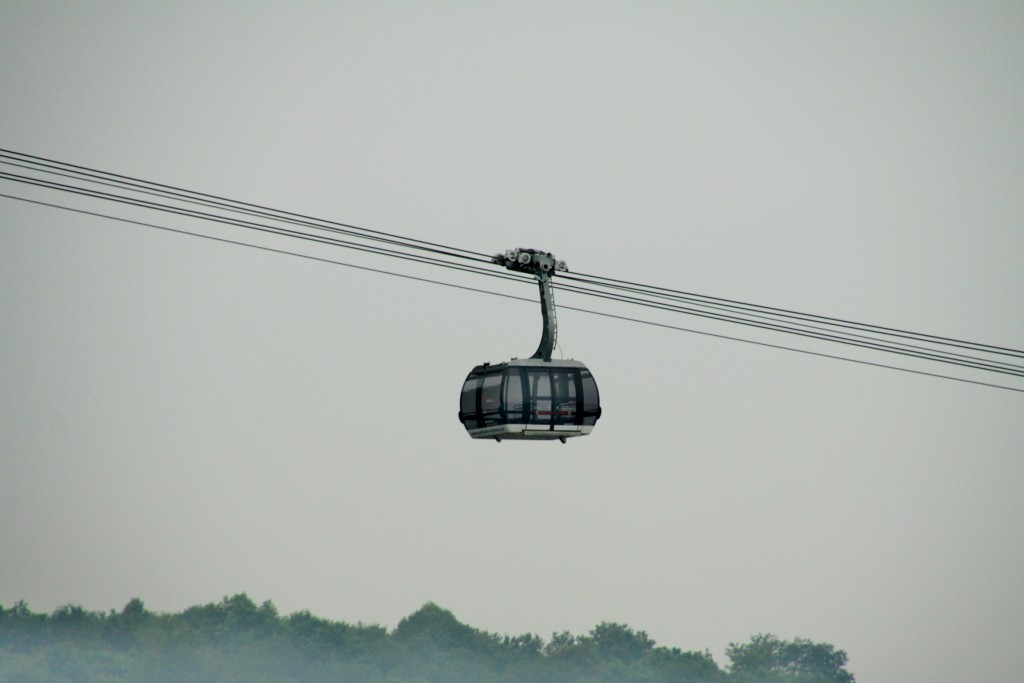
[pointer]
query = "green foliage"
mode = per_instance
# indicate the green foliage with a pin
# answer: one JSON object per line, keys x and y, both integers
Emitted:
{"x": 435, "y": 628}
{"x": 236, "y": 640}
{"x": 616, "y": 641}
{"x": 672, "y": 664}
{"x": 767, "y": 659}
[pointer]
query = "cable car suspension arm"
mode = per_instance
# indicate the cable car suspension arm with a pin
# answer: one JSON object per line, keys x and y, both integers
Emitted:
{"x": 542, "y": 265}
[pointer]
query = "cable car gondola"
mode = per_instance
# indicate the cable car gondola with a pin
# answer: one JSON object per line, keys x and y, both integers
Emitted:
{"x": 537, "y": 397}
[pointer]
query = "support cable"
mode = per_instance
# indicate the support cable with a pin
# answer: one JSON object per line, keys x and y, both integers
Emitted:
{"x": 506, "y": 296}
{"x": 782, "y": 312}
{"x": 756, "y": 316}
{"x": 138, "y": 182}
{"x": 873, "y": 345}
{"x": 823, "y": 328}
{"x": 189, "y": 213}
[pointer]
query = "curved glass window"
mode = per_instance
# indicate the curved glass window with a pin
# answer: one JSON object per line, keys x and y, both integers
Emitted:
{"x": 490, "y": 399}
{"x": 515, "y": 402}
{"x": 552, "y": 395}
{"x": 563, "y": 396}
{"x": 540, "y": 395}
{"x": 467, "y": 402}
{"x": 591, "y": 398}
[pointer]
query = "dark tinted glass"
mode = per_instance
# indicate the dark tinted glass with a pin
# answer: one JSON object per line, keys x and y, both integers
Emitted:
{"x": 540, "y": 395}
{"x": 552, "y": 396}
{"x": 467, "y": 402}
{"x": 563, "y": 384}
{"x": 515, "y": 410}
{"x": 591, "y": 399}
{"x": 490, "y": 398}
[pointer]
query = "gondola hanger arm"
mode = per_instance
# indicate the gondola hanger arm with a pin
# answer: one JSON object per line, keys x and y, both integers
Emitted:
{"x": 542, "y": 265}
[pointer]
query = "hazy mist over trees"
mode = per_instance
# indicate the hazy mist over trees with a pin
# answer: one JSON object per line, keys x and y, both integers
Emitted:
{"x": 237, "y": 640}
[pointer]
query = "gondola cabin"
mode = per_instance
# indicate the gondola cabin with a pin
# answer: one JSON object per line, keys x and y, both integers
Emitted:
{"x": 535, "y": 398}
{"x": 529, "y": 399}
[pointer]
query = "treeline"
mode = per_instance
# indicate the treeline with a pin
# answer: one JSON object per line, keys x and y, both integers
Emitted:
{"x": 238, "y": 641}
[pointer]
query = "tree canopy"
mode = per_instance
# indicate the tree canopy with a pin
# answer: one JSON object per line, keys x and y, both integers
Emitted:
{"x": 236, "y": 640}
{"x": 767, "y": 659}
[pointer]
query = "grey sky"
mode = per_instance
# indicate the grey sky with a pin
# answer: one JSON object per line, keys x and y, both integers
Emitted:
{"x": 180, "y": 420}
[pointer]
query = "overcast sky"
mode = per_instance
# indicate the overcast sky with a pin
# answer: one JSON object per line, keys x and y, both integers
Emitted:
{"x": 181, "y": 419}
